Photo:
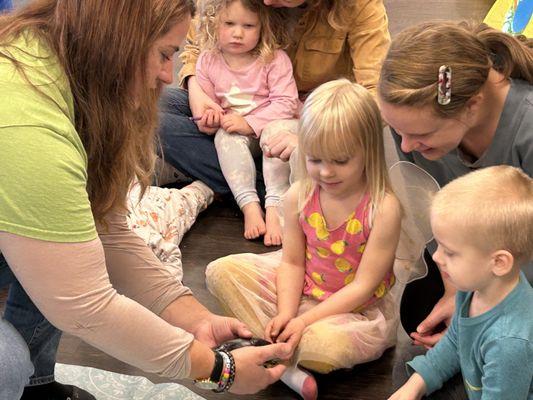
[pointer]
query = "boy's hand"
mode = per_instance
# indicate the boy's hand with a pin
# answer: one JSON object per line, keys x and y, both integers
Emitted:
{"x": 234, "y": 123}
{"x": 413, "y": 389}
{"x": 292, "y": 333}
{"x": 275, "y": 326}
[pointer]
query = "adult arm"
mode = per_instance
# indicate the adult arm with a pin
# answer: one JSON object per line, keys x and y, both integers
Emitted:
{"x": 377, "y": 261}
{"x": 79, "y": 299}
{"x": 69, "y": 284}
{"x": 369, "y": 40}
{"x": 283, "y": 95}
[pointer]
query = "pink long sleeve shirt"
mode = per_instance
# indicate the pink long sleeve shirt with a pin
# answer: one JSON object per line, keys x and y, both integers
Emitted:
{"x": 260, "y": 92}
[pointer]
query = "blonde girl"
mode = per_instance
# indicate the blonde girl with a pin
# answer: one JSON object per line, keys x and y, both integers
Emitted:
{"x": 328, "y": 293}
{"x": 484, "y": 117}
{"x": 249, "y": 79}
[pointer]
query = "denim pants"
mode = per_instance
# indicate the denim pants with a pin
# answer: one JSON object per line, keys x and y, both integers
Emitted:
{"x": 191, "y": 151}
{"x": 5, "y": 5}
{"x": 41, "y": 338}
{"x": 184, "y": 146}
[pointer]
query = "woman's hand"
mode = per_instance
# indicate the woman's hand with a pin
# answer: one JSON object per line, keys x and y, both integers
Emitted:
{"x": 234, "y": 123}
{"x": 427, "y": 333}
{"x": 292, "y": 333}
{"x": 275, "y": 326}
{"x": 203, "y": 107}
{"x": 281, "y": 145}
{"x": 251, "y": 376}
{"x": 215, "y": 330}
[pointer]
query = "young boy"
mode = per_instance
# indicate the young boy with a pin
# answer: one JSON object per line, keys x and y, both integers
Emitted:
{"x": 483, "y": 224}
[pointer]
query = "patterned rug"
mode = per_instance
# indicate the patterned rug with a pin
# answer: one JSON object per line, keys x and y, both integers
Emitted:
{"x": 105, "y": 385}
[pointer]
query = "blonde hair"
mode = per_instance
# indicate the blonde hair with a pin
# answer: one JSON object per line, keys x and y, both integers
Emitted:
{"x": 103, "y": 46}
{"x": 273, "y": 36}
{"x": 495, "y": 207}
{"x": 339, "y": 120}
{"x": 409, "y": 74}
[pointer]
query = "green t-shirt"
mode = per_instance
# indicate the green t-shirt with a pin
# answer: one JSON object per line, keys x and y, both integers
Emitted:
{"x": 43, "y": 164}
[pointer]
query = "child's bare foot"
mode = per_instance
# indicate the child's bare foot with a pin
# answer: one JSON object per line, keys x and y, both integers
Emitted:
{"x": 254, "y": 224}
{"x": 274, "y": 232}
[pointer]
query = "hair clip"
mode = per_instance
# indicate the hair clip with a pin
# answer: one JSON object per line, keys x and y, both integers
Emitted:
{"x": 444, "y": 87}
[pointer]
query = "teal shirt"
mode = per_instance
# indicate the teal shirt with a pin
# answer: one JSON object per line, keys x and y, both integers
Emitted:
{"x": 493, "y": 351}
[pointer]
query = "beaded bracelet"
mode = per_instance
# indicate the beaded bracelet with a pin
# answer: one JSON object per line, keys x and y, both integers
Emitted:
{"x": 228, "y": 372}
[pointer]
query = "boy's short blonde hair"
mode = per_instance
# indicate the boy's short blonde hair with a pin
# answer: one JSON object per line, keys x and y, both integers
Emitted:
{"x": 494, "y": 207}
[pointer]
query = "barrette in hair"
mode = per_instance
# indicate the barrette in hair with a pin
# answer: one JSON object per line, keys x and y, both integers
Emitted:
{"x": 444, "y": 87}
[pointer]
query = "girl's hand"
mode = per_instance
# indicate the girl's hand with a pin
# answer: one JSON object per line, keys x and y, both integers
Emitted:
{"x": 275, "y": 326}
{"x": 210, "y": 121}
{"x": 292, "y": 333}
{"x": 200, "y": 102}
{"x": 234, "y": 123}
{"x": 251, "y": 376}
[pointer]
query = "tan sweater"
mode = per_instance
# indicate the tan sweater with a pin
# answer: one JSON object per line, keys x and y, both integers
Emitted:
{"x": 320, "y": 54}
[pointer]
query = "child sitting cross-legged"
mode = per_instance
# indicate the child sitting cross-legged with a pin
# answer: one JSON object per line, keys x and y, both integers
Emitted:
{"x": 329, "y": 293}
{"x": 483, "y": 224}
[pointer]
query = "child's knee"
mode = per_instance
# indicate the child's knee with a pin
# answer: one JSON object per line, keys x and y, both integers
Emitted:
{"x": 15, "y": 364}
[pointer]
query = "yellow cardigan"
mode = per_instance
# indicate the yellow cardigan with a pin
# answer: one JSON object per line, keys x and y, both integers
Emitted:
{"x": 320, "y": 54}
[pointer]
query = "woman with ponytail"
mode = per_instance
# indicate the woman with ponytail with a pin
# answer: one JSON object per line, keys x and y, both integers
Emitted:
{"x": 458, "y": 97}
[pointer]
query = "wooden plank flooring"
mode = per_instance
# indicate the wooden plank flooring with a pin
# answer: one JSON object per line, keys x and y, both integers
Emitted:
{"x": 218, "y": 232}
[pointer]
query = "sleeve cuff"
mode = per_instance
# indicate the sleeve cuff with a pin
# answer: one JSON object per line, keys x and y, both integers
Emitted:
{"x": 421, "y": 366}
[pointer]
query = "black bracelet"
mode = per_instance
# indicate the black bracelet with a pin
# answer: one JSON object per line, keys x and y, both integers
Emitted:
{"x": 217, "y": 368}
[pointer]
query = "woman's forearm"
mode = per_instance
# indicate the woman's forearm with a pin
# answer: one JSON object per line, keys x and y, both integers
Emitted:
{"x": 69, "y": 284}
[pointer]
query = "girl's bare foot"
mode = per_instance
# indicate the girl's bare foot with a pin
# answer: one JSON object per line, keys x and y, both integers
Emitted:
{"x": 274, "y": 232}
{"x": 254, "y": 224}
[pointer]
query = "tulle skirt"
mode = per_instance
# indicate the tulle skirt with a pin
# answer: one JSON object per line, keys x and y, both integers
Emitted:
{"x": 245, "y": 286}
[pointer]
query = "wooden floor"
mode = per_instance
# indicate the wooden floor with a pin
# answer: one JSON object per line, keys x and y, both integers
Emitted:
{"x": 218, "y": 232}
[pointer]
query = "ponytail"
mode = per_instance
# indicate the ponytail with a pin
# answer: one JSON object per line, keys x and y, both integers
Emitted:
{"x": 409, "y": 74}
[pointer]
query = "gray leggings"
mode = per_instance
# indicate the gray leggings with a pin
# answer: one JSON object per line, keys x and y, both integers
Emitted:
{"x": 235, "y": 154}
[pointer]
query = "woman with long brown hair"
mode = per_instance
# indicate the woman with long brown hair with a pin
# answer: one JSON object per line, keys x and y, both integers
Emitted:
{"x": 79, "y": 83}
{"x": 458, "y": 97}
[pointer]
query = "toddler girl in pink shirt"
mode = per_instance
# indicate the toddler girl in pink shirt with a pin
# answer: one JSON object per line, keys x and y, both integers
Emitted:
{"x": 244, "y": 71}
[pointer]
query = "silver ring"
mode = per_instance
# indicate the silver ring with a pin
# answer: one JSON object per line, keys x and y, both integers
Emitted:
{"x": 266, "y": 149}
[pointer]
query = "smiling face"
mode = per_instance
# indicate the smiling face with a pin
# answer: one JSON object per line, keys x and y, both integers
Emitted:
{"x": 239, "y": 29}
{"x": 284, "y": 3}
{"x": 421, "y": 130}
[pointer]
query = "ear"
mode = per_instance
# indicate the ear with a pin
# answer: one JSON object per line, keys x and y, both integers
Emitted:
{"x": 473, "y": 105}
{"x": 503, "y": 262}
